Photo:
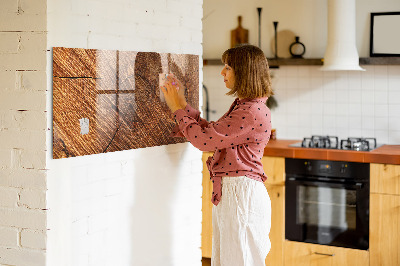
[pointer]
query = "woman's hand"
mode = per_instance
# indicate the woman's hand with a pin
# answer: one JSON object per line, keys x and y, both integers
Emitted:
{"x": 174, "y": 93}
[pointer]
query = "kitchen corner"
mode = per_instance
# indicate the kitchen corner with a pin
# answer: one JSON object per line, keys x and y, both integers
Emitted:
{"x": 382, "y": 213}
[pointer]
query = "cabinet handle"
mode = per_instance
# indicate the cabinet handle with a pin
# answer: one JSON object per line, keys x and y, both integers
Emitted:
{"x": 324, "y": 254}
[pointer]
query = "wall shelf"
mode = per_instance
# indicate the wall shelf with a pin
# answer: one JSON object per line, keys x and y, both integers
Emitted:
{"x": 274, "y": 63}
{"x": 380, "y": 61}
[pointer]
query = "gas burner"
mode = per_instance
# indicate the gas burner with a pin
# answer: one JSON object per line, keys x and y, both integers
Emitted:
{"x": 332, "y": 142}
{"x": 358, "y": 144}
{"x": 327, "y": 142}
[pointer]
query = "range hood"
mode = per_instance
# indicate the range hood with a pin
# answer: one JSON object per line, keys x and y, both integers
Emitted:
{"x": 341, "y": 51}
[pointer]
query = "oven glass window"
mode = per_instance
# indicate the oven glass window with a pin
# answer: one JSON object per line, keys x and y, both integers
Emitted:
{"x": 326, "y": 207}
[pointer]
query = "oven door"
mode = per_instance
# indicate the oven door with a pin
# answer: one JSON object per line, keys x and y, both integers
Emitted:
{"x": 327, "y": 213}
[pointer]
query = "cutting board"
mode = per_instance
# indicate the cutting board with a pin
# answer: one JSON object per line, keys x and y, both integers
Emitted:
{"x": 239, "y": 35}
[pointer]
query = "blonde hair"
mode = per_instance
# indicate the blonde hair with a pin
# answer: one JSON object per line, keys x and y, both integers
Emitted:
{"x": 250, "y": 66}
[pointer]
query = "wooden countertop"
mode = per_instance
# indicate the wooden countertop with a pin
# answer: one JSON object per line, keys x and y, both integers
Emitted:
{"x": 389, "y": 154}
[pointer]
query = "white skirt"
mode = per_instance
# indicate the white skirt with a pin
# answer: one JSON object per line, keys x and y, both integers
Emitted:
{"x": 241, "y": 223}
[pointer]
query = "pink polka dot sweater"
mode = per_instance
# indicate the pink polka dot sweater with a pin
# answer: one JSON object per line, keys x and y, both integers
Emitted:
{"x": 238, "y": 139}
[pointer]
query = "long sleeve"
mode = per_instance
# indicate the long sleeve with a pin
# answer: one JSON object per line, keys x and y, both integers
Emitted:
{"x": 231, "y": 130}
{"x": 193, "y": 113}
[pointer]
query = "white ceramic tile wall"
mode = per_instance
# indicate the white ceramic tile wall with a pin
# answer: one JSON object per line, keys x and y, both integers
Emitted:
{"x": 311, "y": 102}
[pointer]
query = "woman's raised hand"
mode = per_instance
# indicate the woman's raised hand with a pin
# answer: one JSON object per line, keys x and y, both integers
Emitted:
{"x": 174, "y": 93}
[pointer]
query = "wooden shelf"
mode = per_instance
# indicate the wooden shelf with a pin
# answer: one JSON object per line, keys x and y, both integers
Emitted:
{"x": 380, "y": 61}
{"x": 274, "y": 63}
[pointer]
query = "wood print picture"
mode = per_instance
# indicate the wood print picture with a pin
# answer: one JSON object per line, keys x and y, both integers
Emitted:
{"x": 107, "y": 100}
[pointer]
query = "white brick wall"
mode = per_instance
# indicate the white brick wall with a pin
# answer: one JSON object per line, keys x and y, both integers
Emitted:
{"x": 100, "y": 206}
{"x": 136, "y": 207}
{"x": 23, "y": 132}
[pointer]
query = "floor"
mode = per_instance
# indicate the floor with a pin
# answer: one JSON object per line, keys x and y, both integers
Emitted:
{"x": 206, "y": 261}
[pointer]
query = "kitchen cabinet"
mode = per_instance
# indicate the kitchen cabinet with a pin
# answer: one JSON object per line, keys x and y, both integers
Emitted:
{"x": 206, "y": 226}
{"x": 385, "y": 214}
{"x": 274, "y": 168}
{"x": 305, "y": 254}
{"x": 385, "y": 178}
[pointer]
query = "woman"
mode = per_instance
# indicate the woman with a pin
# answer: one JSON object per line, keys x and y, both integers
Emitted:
{"x": 242, "y": 208}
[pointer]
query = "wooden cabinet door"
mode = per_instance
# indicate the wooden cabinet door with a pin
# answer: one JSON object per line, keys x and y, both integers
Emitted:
{"x": 304, "y": 254}
{"x": 277, "y": 233}
{"x": 206, "y": 226}
{"x": 385, "y": 178}
{"x": 384, "y": 237}
{"x": 274, "y": 168}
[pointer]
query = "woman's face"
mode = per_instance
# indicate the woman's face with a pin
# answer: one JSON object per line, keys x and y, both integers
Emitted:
{"x": 229, "y": 76}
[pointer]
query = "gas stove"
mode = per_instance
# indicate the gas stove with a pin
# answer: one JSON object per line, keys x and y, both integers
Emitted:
{"x": 332, "y": 142}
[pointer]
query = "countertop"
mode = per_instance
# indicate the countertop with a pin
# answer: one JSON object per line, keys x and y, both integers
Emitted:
{"x": 388, "y": 154}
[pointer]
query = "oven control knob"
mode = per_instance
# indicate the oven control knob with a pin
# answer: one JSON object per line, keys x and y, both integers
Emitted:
{"x": 343, "y": 168}
{"x": 308, "y": 166}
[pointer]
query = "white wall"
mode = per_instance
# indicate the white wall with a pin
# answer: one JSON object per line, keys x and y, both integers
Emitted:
{"x": 311, "y": 102}
{"x": 23, "y": 132}
{"x": 305, "y": 18}
{"x": 135, "y": 207}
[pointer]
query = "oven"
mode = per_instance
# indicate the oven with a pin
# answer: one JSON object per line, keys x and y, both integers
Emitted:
{"x": 327, "y": 202}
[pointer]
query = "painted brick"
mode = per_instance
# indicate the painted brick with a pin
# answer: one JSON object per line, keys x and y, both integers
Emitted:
{"x": 191, "y": 22}
{"x": 13, "y": 119}
{"x": 33, "y": 7}
{"x": 7, "y": 80}
{"x": 80, "y": 227}
{"x": 98, "y": 222}
{"x": 104, "y": 11}
{"x": 196, "y": 38}
{"x": 114, "y": 186}
{"x": 8, "y": 197}
{"x": 23, "y": 100}
{"x": 180, "y": 34}
{"x": 12, "y": 256}
{"x": 33, "y": 42}
{"x": 16, "y": 158}
{"x": 23, "y": 61}
{"x": 137, "y": 16}
{"x": 33, "y": 140}
{"x": 153, "y": 32}
{"x": 23, "y": 218}
{"x": 168, "y": 19}
{"x": 23, "y": 22}
{"x": 111, "y": 28}
{"x": 8, "y": 237}
{"x": 149, "y": 6}
{"x": 30, "y": 80}
{"x": 108, "y": 41}
{"x": 33, "y": 159}
{"x": 23, "y": 178}
{"x": 141, "y": 44}
{"x": 167, "y": 46}
{"x": 176, "y": 7}
{"x": 33, "y": 239}
{"x": 9, "y": 42}
{"x": 197, "y": 166}
{"x": 8, "y": 6}
{"x": 33, "y": 199}
{"x": 196, "y": 10}
{"x": 5, "y": 158}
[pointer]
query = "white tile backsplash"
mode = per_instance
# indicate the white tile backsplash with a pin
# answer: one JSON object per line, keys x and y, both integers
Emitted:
{"x": 343, "y": 103}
